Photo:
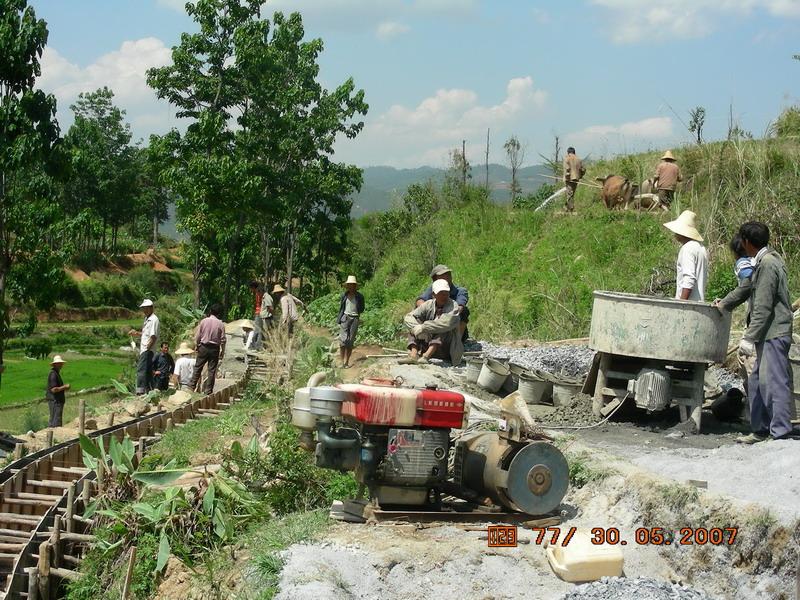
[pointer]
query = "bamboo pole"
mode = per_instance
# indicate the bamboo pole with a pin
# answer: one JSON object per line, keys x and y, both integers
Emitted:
{"x": 129, "y": 575}
{"x": 33, "y": 583}
{"x": 44, "y": 570}
{"x": 18, "y": 450}
{"x": 70, "y": 508}
{"x": 100, "y": 474}
{"x": 49, "y": 437}
{"x": 55, "y": 540}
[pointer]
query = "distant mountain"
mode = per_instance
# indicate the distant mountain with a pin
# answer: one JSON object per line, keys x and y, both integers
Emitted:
{"x": 382, "y": 185}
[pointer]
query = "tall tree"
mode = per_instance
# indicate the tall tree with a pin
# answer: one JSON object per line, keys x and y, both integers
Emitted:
{"x": 516, "y": 154}
{"x": 28, "y": 132}
{"x": 697, "y": 119}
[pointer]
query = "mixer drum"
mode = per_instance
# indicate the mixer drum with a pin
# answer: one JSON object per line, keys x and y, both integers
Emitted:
{"x": 527, "y": 477}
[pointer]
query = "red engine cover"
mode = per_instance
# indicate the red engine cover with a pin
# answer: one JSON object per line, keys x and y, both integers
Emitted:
{"x": 377, "y": 405}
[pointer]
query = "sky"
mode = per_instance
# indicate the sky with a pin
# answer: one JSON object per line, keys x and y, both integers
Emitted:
{"x": 606, "y": 76}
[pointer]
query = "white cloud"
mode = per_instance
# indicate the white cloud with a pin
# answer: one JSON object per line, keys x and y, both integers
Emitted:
{"x": 424, "y": 134}
{"x": 391, "y": 29}
{"x": 122, "y": 71}
{"x": 640, "y": 20}
{"x": 615, "y": 138}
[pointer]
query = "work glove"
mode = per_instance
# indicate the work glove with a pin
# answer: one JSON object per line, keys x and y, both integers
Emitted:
{"x": 747, "y": 348}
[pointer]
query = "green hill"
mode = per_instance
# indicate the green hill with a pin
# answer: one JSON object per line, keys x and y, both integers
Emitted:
{"x": 531, "y": 274}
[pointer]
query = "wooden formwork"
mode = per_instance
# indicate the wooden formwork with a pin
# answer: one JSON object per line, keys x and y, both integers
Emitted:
{"x": 44, "y": 494}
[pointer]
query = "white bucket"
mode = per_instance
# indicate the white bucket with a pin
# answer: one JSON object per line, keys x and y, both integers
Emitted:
{"x": 563, "y": 392}
{"x": 473, "y": 370}
{"x": 511, "y": 383}
{"x": 535, "y": 389}
{"x": 493, "y": 375}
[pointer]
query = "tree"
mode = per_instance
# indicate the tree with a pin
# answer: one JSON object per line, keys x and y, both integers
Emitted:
{"x": 697, "y": 118}
{"x": 103, "y": 164}
{"x": 516, "y": 154}
{"x": 269, "y": 179}
{"x": 28, "y": 133}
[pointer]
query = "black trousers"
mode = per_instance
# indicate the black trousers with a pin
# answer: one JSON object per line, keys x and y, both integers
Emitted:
{"x": 144, "y": 372}
{"x": 56, "y": 413}
{"x": 206, "y": 354}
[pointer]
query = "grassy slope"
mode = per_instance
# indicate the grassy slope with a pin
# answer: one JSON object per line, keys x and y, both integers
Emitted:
{"x": 531, "y": 275}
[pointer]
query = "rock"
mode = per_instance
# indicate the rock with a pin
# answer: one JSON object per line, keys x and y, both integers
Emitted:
{"x": 137, "y": 408}
{"x": 90, "y": 424}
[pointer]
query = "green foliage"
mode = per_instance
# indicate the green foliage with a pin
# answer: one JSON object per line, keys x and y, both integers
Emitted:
{"x": 582, "y": 471}
{"x": 534, "y": 200}
{"x": 788, "y": 123}
{"x": 34, "y": 419}
{"x": 38, "y": 348}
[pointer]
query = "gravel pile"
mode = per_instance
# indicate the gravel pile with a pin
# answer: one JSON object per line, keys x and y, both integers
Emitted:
{"x": 727, "y": 380}
{"x": 577, "y": 413}
{"x": 640, "y": 588}
{"x": 567, "y": 360}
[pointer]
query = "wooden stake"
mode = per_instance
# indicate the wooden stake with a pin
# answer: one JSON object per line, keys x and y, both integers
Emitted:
{"x": 49, "y": 437}
{"x": 55, "y": 540}
{"x": 18, "y": 451}
{"x": 44, "y": 570}
{"x": 86, "y": 493}
{"x": 169, "y": 425}
{"x": 33, "y": 583}
{"x": 126, "y": 588}
{"x": 70, "y": 508}
{"x": 82, "y": 416}
{"x": 100, "y": 473}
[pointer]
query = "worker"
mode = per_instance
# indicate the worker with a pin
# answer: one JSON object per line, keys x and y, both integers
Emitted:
{"x": 163, "y": 366}
{"x": 692, "y": 265}
{"x": 573, "y": 172}
{"x": 147, "y": 346}
{"x": 768, "y": 337}
{"x": 266, "y": 313}
{"x": 288, "y": 304}
{"x": 184, "y": 367}
{"x": 210, "y": 344}
{"x": 56, "y": 398}
{"x": 434, "y": 328}
{"x": 666, "y": 178}
{"x": 351, "y": 305}
{"x": 258, "y": 293}
{"x": 458, "y": 294}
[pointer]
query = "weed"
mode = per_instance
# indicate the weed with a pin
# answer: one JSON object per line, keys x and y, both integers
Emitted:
{"x": 33, "y": 419}
{"x": 582, "y": 472}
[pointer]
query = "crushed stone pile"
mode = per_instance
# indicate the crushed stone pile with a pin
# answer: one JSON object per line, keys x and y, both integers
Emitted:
{"x": 569, "y": 360}
{"x": 640, "y": 588}
{"x": 577, "y": 413}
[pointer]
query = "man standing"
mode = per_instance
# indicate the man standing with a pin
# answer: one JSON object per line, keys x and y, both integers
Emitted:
{"x": 149, "y": 335}
{"x": 573, "y": 172}
{"x": 351, "y": 305}
{"x": 692, "y": 265}
{"x": 55, "y": 392}
{"x": 266, "y": 312}
{"x": 210, "y": 344}
{"x": 258, "y": 293}
{"x": 434, "y": 326}
{"x": 184, "y": 367}
{"x": 288, "y": 304}
{"x": 458, "y": 294}
{"x": 666, "y": 179}
{"x": 163, "y": 366}
{"x": 768, "y": 337}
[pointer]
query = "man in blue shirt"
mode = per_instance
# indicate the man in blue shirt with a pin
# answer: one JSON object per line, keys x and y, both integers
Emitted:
{"x": 458, "y": 294}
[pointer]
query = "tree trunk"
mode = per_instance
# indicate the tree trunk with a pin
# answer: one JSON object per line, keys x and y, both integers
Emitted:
{"x": 290, "y": 255}
{"x": 196, "y": 272}
{"x": 155, "y": 228}
{"x": 266, "y": 238}
{"x": 487, "y": 160}
{"x": 233, "y": 249}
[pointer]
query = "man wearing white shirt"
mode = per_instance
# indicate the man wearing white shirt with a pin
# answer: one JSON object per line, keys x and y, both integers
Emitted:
{"x": 692, "y": 264}
{"x": 147, "y": 345}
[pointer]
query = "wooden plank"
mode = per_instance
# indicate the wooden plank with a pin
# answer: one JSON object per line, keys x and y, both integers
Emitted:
{"x": 71, "y": 470}
{"x": 51, "y": 483}
{"x": 34, "y": 496}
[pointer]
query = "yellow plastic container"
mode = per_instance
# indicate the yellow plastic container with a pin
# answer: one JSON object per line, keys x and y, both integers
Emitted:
{"x": 582, "y": 561}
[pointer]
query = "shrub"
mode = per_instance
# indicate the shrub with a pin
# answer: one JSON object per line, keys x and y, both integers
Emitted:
{"x": 788, "y": 123}
{"x": 38, "y": 348}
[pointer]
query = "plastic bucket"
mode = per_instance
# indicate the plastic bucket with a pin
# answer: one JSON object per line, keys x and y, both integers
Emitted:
{"x": 511, "y": 383}
{"x": 534, "y": 388}
{"x": 493, "y": 375}
{"x": 474, "y": 366}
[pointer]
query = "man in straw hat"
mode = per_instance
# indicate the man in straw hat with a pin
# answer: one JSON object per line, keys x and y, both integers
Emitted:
{"x": 351, "y": 305}
{"x": 667, "y": 177}
{"x": 288, "y": 304}
{"x": 147, "y": 346}
{"x": 55, "y": 392}
{"x": 434, "y": 328}
{"x": 692, "y": 265}
{"x": 184, "y": 367}
{"x": 458, "y": 294}
{"x": 768, "y": 337}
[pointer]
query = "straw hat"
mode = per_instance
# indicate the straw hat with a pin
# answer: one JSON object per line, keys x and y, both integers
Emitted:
{"x": 668, "y": 155}
{"x": 278, "y": 289}
{"x": 146, "y": 302}
{"x": 351, "y": 279}
{"x": 57, "y": 360}
{"x": 184, "y": 348}
{"x": 685, "y": 225}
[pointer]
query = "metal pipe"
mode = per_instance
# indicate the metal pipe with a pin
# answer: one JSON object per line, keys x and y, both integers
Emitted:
{"x": 328, "y": 440}
{"x": 316, "y": 379}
